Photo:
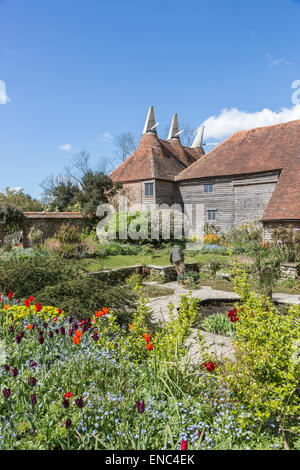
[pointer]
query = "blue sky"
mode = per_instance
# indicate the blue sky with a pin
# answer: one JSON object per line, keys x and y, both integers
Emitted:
{"x": 73, "y": 73}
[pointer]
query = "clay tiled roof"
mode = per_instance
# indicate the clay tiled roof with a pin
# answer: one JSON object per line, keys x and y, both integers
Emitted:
{"x": 259, "y": 150}
{"x": 156, "y": 158}
{"x": 285, "y": 201}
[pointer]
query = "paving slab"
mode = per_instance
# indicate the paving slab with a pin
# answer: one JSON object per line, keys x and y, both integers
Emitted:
{"x": 221, "y": 346}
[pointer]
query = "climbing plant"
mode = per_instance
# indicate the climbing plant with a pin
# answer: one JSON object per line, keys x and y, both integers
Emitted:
{"x": 10, "y": 218}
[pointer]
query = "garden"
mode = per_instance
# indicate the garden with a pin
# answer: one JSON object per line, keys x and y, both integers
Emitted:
{"x": 83, "y": 366}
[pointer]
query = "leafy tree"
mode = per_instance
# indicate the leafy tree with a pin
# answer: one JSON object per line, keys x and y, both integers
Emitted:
{"x": 96, "y": 188}
{"x": 81, "y": 188}
{"x": 20, "y": 200}
{"x": 10, "y": 218}
{"x": 60, "y": 193}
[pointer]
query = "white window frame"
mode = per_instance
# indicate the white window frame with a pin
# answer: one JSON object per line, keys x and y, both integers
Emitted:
{"x": 209, "y": 187}
{"x": 215, "y": 211}
{"x": 144, "y": 189}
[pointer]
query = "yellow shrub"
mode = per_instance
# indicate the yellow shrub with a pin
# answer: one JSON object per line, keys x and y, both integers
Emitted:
{"x": 212, "y": 239}
{"x": 17, "y": 313}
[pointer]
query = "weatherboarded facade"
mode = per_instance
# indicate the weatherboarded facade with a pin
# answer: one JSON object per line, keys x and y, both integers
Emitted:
{"x": 253, "y": 176}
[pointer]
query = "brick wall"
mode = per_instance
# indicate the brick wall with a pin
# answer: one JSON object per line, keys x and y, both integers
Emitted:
{"x": 269, "y": 226}
{"x": 49, "y": 223}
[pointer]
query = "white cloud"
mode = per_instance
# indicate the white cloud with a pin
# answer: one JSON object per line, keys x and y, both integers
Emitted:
{"x": 107, "y": 136}
{"x": 66, "y": 147}
{"x": 279, "y": 62}
{"x": 4, "y": 99}
{"x": 17, "y": 189}
{"x": 233, "y": 120}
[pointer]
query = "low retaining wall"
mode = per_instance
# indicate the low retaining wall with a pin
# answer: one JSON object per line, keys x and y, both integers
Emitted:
{"x": 289, "y": 270}
{"x": 120, "y": 274}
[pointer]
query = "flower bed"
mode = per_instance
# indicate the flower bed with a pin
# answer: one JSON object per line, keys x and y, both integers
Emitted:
{"x": 91, "y": 384}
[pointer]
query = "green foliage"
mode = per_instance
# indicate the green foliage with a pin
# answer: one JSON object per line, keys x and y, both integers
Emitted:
{"x": 218, "y": 324}
{"x": 27, "y": 275}
{"x": 95, "y": 188}
{"x": 83, "y": 296}
{"x": 264, "y": 377}
{"x": 35, "y": 237}
{"x": 140, "y": 227}
{"x": 116, "y": 248}
{"x": 11, "y": 218}
{"x": 214, "y": 266}
{"x": 61, "y": 194}
{"x": 134, "y": 280}
{"x": 189, "y": 279}
{"x": 286, "y": 242}
{"x": 158, "y": 277}
{"x": 266, "y": 266}
{"x": 68, "y": 233}
{"x": 17, "y": 198}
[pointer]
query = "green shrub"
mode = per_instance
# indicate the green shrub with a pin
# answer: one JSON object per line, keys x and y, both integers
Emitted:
{"x": 35, "y": 237}
{"x": 265, "y": 376}
{"x": 11, "y": 218}
{"x": 134, "y": 279}
{"x": 214, "y": 266}
{"x": 189, "y": 278}
{"x": 139, "y": 226}
{"x": 219, "y": 324}
{"x": 117, "y": 248}
{"x": 68, "y": 234}
{"x": 84, "y": 296}
{"x": 27, "y": 275}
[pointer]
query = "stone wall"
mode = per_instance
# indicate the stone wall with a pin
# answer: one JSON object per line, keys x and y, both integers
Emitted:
{"x": 289, "y": 270}
{"x": 49, "y": 223}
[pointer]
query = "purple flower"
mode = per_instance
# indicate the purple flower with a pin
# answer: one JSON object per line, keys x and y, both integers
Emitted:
{"x": 33, "y": 364}
{"x": 11, "y": 329}
{"x": 18, "y": 339}
{"x": 50, "y": 334}
{"x": 33, "y": 399}
{"x": 95, "y": 337}
{"x": 65, "y": 402}
{"x": 14, "y": 371}
{"x": 32, "y": 381}
{"x": 68, "y": 423}
{"x": 140, "y": 406}
{"x": 6, "y": 367}
{"x": 62, "y": 330}
{"x": 45, "y": 325}
{"x": 79, "y": 402}
{"x": 6, "y": 393}
{"x": 41, "y": 339}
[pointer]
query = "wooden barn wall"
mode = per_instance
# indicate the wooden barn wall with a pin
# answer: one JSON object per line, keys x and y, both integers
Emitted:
{"x": 236, "y": 199}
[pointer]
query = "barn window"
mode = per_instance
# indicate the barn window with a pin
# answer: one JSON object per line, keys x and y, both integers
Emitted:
{"x": 212, "y": 215}
{"x": 209, "y": 188}
{"x": 149, "y": 189}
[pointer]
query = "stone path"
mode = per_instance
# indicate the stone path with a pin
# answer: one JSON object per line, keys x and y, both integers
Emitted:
{"x": 221, "y": 346}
